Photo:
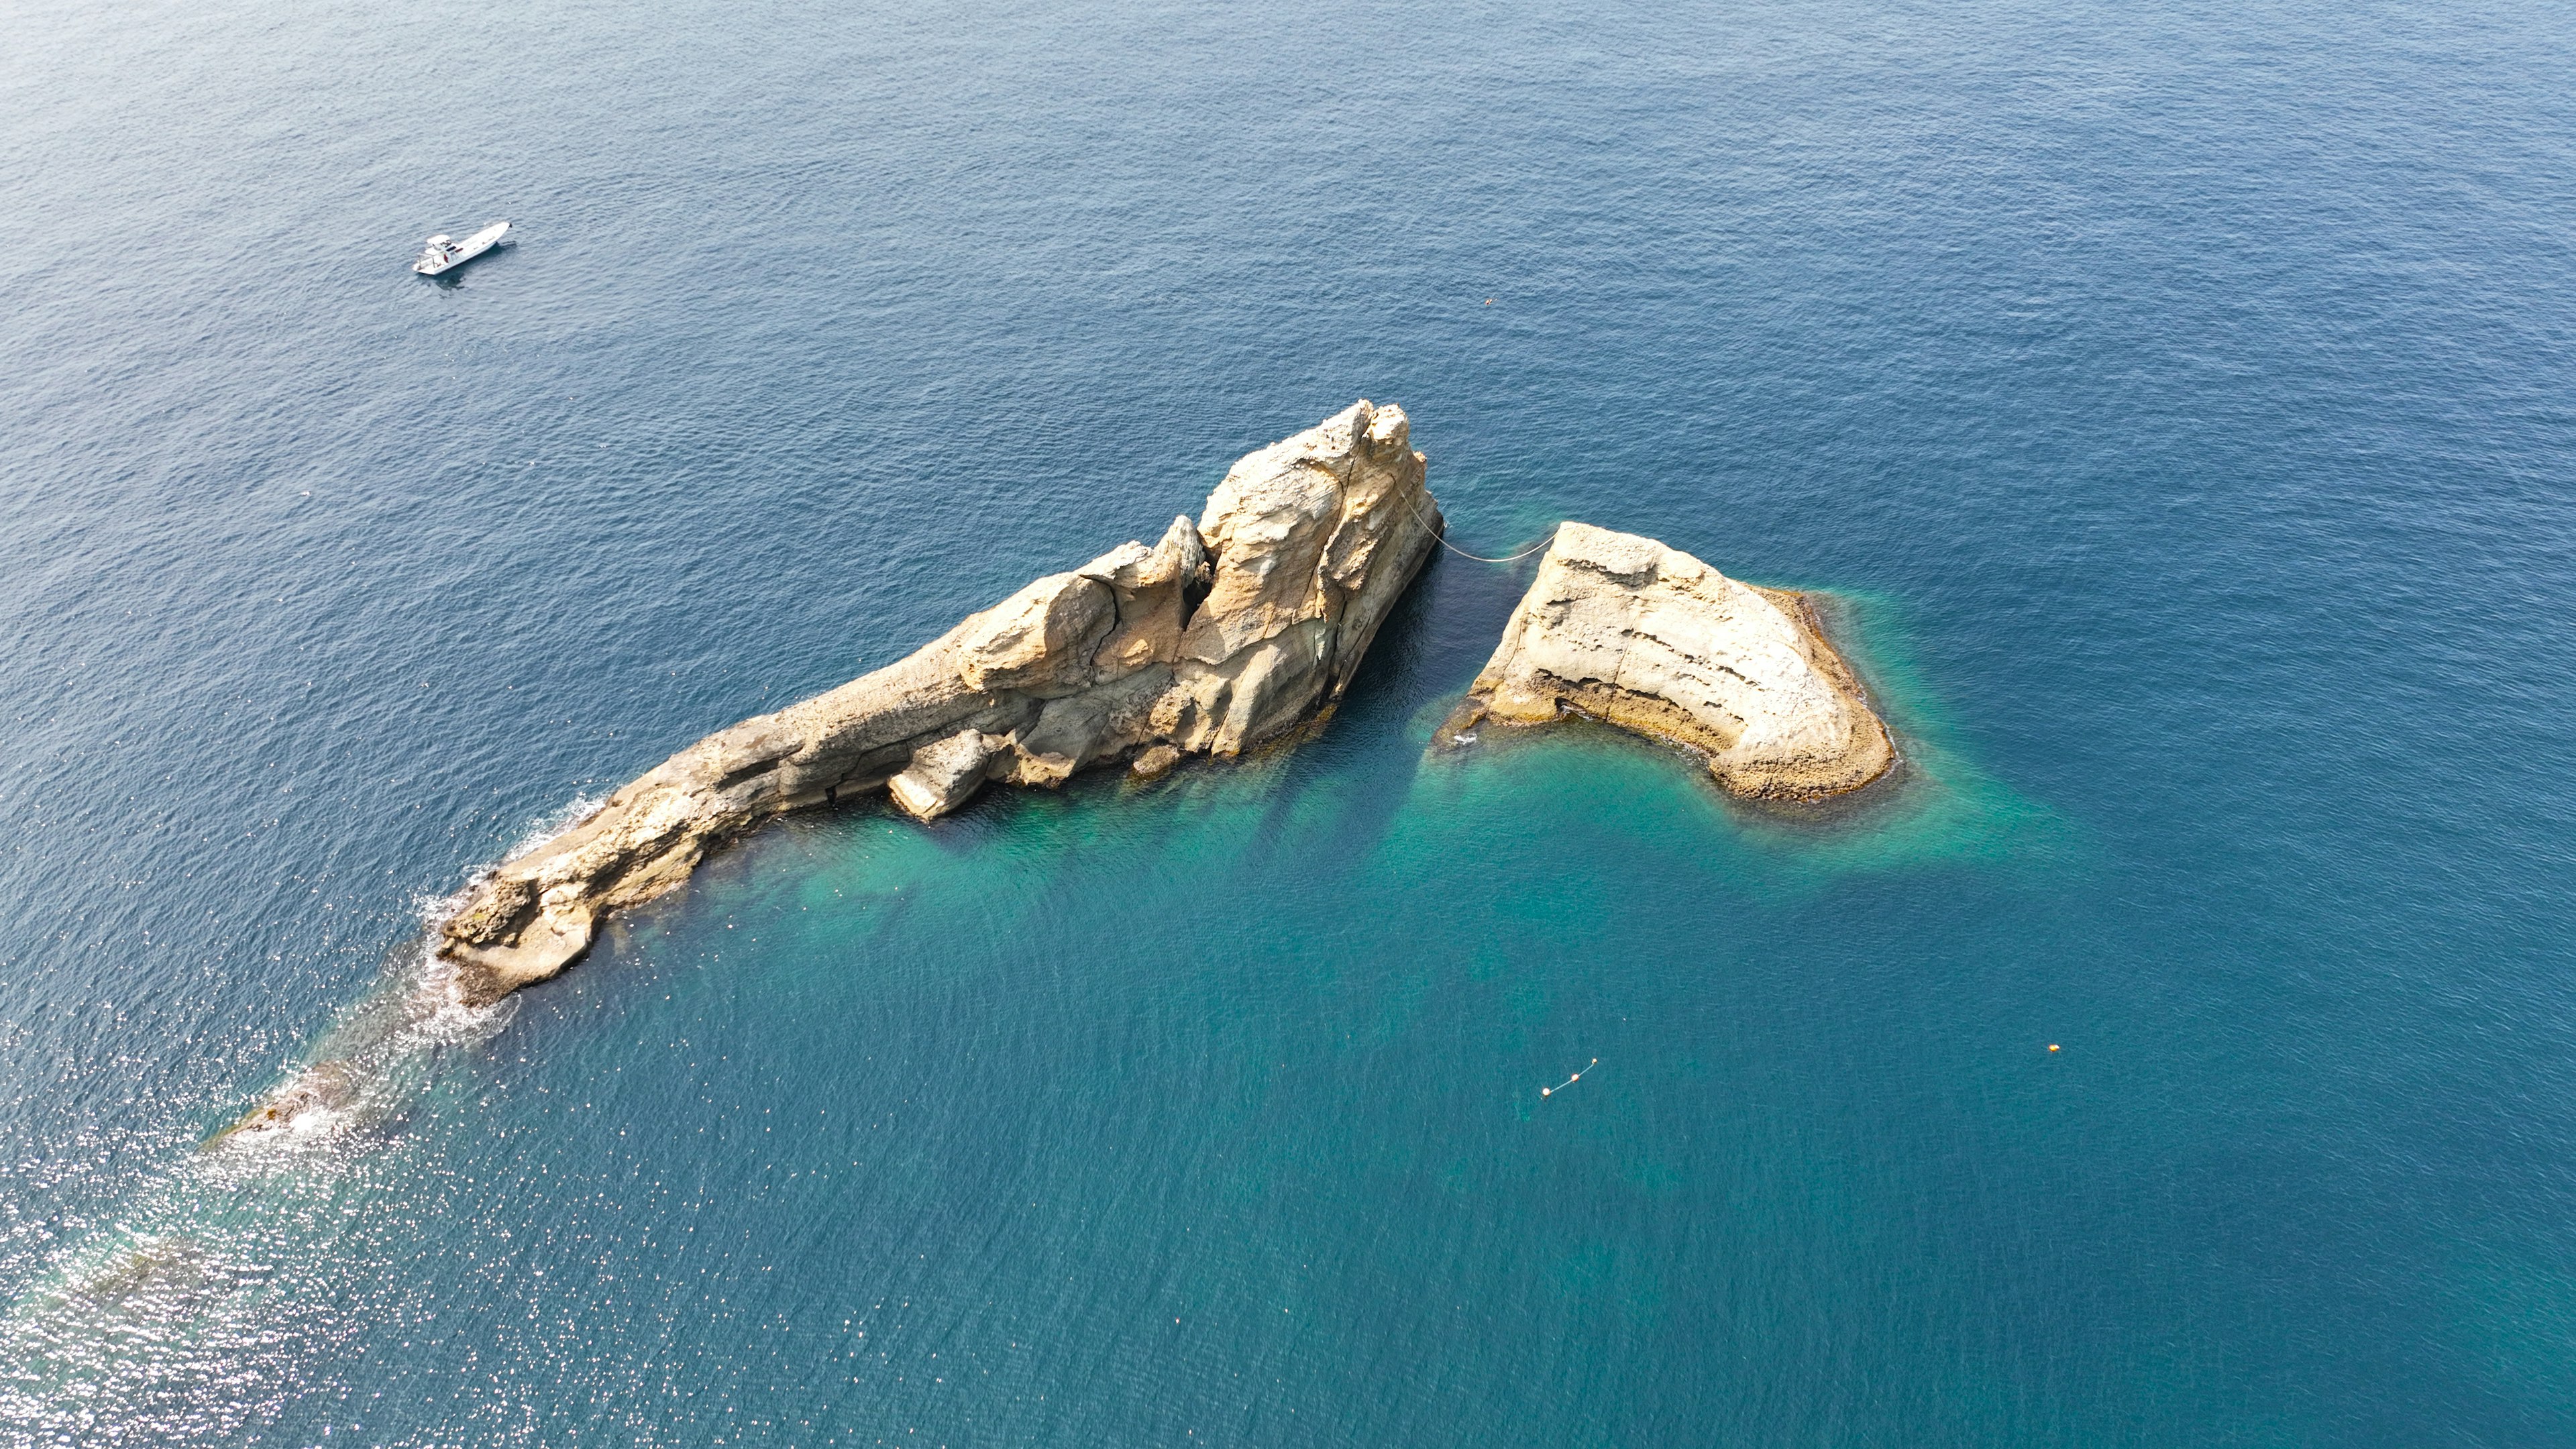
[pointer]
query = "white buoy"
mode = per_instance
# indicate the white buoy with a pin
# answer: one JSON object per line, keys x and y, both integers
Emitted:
{"x": 1570, "y": 1081}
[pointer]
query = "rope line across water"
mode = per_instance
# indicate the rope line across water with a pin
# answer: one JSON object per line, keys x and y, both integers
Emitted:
{"x": 1438, "y": 537}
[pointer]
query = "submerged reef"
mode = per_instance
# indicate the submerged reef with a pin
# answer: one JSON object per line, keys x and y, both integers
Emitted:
{"x": 1621, "y": 629}
{"x": 1226, "y": 632}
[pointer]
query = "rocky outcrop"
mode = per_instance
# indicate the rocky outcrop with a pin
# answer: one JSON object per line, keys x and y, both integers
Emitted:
{"x": 311, "y": 1095}
{"x": 1223, "y": 634}
{"x": 1624, "y": 630}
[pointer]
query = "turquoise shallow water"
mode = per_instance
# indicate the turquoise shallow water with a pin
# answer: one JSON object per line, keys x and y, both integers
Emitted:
{"x": 2174, "y": 402}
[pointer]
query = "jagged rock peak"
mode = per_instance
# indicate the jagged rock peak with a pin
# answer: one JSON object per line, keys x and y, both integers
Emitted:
{"x": 1624, "y": 630}
{"x": 1225, "y": 633}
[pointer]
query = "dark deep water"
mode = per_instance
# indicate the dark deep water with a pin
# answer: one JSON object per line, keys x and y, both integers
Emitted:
{"x": 2179, "y": 396}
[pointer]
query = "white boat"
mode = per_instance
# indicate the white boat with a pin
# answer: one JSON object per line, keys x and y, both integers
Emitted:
{"x": 442, "y": 252}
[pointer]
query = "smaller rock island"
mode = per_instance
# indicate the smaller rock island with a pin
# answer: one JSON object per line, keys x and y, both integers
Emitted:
{"x": 1623, "y": 630}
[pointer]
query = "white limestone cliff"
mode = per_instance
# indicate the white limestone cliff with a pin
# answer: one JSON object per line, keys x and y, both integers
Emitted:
{"x": 1621, "y": 629}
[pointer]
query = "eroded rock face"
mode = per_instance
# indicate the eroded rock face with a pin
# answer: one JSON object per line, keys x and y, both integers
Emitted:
{"x": 1225, "y": 633}
{"x": 1624, "y": 630}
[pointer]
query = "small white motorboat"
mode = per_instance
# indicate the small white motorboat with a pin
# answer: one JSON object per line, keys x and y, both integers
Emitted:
{"x": 443, "y": 252}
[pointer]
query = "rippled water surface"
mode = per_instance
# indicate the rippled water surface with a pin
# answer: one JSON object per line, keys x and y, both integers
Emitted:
{"x": 2176, "y": 400}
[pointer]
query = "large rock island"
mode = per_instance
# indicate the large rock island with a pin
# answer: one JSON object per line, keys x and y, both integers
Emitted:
{"x": 1624, "y": 630}
{"x": 1224, "y": 633}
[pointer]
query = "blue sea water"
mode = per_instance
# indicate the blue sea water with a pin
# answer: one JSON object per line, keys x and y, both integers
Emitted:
{"x": 2175, "y": 399}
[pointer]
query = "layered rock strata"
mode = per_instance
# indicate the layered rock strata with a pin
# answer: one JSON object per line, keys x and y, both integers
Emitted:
{"x": 1624, "y": 630}
{"x": 1224, "y": 633}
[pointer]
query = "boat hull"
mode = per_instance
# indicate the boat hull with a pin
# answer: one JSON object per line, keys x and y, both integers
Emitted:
{"x": 431, "y": 265}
